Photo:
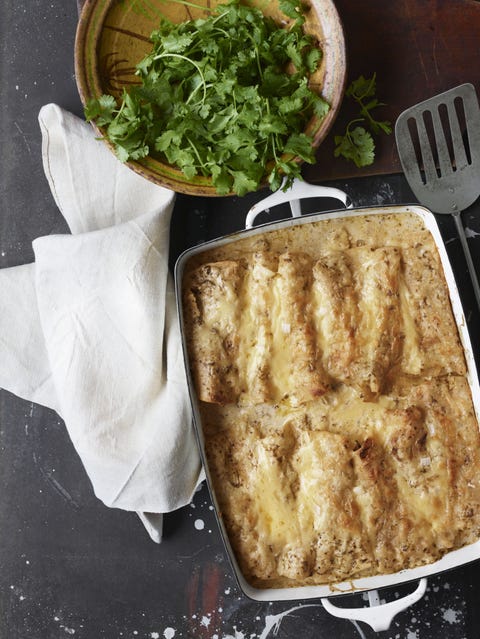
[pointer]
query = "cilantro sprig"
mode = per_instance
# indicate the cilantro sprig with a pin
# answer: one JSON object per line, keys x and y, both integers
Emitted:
{"x": 357, "y": 144}
{"x": 225, "y": 96}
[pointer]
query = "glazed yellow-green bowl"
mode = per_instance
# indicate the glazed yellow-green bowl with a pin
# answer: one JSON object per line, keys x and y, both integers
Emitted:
{"x": 114, "y": 35}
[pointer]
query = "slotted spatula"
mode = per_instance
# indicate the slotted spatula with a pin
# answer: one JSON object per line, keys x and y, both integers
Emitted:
{"x": 438, "y": 143}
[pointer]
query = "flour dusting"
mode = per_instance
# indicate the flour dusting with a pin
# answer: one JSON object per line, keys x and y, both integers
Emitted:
{"x": 237, "y": 635}
{"x": 272, "y": 622}
{"x": 450, "y": 615}
{"x": 199, "y": 524}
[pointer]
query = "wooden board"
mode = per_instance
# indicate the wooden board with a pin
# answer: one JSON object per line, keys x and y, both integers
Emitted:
{"x": 418, "y": 48}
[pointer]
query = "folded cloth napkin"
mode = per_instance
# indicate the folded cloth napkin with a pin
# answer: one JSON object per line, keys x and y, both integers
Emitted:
{"x": 90, "y": 328}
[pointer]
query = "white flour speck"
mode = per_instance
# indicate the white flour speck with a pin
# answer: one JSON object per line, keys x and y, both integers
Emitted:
{"x": 154, "y": 635}
{"x": 412, "y": 635}
{"x": 199, "y": 524}
{"x": 205, "y": 621}
{"x": 451, "y": 615}
{"x": 470, "y": 232}
{"x": 272, "y": 622}
{"x": 238, "y": 635}
{"x": 226, "y": 591}
{"x": 169, "y": 633}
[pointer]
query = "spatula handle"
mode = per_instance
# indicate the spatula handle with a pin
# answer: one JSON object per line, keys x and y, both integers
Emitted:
{"x": 468, "y": 255}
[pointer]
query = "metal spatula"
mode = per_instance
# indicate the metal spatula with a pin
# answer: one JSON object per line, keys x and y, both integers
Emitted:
{"x": 438, "y": 142}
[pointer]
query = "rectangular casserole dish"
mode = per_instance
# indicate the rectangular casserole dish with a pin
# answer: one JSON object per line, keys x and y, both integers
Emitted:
{"x": 451, "y": 559}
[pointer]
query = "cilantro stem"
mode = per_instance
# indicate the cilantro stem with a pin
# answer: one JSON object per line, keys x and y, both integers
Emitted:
{"x": 257, "y": 58}
{"x": 367, "y": 91}
{"x": 191, "y": 4}
{"x": 183, "y": 57}
{"x": 195, "y": 150}
{"x": 347, "y": 132}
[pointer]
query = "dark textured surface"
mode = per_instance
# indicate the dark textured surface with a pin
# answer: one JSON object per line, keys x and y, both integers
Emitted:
{"x": 68, "y": 565}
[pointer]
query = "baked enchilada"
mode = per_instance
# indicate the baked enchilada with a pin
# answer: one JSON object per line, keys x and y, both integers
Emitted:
{"x": 339, "y": 426}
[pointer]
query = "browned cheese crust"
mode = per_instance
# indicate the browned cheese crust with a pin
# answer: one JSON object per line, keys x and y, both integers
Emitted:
{"x": 339, "y": 426}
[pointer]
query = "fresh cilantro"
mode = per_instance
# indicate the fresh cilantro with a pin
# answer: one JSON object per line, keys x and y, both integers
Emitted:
{"x": 101, "y": 110}
{"x": 363, "y": 92}
{"x": 292, "y": 9}
{"x": 225, "y": 96}
{"x": 357, "y": 144}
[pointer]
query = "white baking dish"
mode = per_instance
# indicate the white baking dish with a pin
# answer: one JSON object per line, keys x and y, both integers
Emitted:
{"x": 379, "y": 616}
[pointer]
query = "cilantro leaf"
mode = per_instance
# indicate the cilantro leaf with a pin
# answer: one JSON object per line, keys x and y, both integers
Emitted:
{"x": 362, "y": 88}
{"x": 101, "y": 110}
{"x": 356, "y": 145}
{"x": 301, "y": 145}
{"x": 292, "y": 9}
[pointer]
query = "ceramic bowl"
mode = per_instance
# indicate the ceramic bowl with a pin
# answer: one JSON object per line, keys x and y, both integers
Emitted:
{"x": 113, "y": 36}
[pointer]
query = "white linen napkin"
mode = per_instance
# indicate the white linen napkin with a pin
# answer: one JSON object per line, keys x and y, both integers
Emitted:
{"x": 90, "y": 329}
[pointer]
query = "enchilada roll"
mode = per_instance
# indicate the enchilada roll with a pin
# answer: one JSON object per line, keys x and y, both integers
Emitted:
{"x": 326, "y": 504}
{"x": 376, "y": 494}
{"x": 379, "y": 336}
{"x": 212, "y": 313}
{"x": 449, "y": 462}
{"x": 234, "y": 464}
{"x": 336, "y": 313}
{"x": 296, "y": 363}
{"x": 256, "y": 328}
{"x": 409, "y": 449}
{"x": 433, "y": 347}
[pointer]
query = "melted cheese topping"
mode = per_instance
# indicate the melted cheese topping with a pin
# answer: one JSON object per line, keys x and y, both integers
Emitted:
{"x": 339, "y": 426}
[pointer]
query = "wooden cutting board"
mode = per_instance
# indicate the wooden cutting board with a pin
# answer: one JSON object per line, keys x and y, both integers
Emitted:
{"x": 417, "y": 48}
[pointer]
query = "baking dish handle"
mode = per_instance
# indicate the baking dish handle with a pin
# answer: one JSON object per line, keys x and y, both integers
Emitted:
{"x": 298, "y": 191}
{"x": 378, "y": 616}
